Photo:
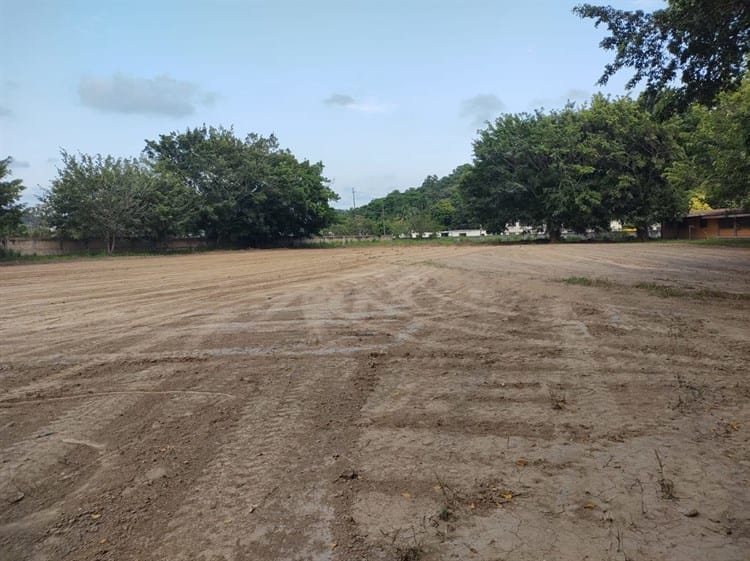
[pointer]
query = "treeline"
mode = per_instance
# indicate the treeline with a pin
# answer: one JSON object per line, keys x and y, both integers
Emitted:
{"x": 436, "y": 204}
{"x": 203, "y": 182}
{"x": 683, "y": 144}
{"x": 580, "y": 168}
{"x": 11, "y": 211}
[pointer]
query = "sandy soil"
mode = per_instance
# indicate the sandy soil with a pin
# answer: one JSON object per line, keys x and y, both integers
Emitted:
{"x": 434, "y": 402}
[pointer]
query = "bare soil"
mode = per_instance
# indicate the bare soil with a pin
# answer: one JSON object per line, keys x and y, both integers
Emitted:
{"x": 385, "y": 403}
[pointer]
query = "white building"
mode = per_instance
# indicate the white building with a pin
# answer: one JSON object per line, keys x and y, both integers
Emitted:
{"x": 465, "y": 233}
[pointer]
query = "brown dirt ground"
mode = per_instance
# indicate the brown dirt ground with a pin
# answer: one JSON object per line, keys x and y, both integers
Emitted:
{"x": 386, "y": 403}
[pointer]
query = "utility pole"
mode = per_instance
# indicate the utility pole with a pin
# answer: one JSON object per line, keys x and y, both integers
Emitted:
{"x": 383, "y": 214}
{"x": 354, "y": 200}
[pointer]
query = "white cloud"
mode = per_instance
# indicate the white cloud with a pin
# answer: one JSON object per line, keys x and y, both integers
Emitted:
{"x": 482, "y": 108}
{"x": 161, "y": 95}
{"x": 365, "y": 105}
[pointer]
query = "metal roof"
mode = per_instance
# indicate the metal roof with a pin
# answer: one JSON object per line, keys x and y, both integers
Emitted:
{"x": 720, "y": 213}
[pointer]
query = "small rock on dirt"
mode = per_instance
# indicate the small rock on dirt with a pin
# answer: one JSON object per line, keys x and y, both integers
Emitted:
{"x": 17, "y": 498}
{"x": 156, "y": 473}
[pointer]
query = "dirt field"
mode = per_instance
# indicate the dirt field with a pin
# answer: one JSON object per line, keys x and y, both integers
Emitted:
{"x": 388, "y": 403}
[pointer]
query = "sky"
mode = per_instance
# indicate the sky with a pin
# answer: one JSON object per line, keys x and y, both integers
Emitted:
{"x": 383, "y": 92}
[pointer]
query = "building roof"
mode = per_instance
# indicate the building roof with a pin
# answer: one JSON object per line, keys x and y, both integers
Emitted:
{"x": 720, "y": 213}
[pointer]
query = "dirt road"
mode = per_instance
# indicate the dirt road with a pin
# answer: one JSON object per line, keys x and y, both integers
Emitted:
{"x": 389, "y": 403}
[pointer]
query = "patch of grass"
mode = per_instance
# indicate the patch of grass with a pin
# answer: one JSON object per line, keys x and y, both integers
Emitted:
{"x": 431, "y": 263}
{"x": 586, "y": 281}
{"x": 662, "y": 290}
{"x": 324, "y": 243}
{"x": 725, "y": 242}
{"x": 580, "y": 281}
{"x": 709, "y": 293}
{"x": 666, "y": 291}
{"x": 13, "y": 258}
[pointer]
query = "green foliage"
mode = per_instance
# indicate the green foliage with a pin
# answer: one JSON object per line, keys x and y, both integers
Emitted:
{"x": 354, "y": 224}
{"x": 629, "y": 152}
{"x": 245, "y": 191}
{"x": 171, "y": 209}
{"x": 580, "y": 281}
{"x": 443, "y": 211}
{"x": 703, "y": 44}
{"x": 36, "y": 221}
{"x": 663, "y": 290}
{"x": 576, "y": 169}
{"x": 99, "y": 197}
{"x": 586, "y": 281}
{"x": 437, "y": 204}
{"x": 715, "y": 161}
{"x": 204, "y": 181}
{"x": 529, "y": 168}
{"x": 511, "y": 172}
{"x": 11, "y": 211}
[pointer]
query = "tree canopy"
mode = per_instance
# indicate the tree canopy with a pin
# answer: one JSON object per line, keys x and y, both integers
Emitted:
{"x": 696, "y": 47}
{"x": 575, "y": 168}
{"x": 99, "y": 197}
{"x": 11, "y": 211}
{"x": 202, "y": 182}
{"x": 245, "y": 191}
{"x": 714, "y": 163}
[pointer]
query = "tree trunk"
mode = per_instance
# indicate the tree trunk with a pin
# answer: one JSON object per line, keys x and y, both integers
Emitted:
{"x": 553, "y": 232}
{"x": 642, "y": 233}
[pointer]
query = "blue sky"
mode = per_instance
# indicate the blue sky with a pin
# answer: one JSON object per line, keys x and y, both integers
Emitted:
{"x": 382, "y": 92}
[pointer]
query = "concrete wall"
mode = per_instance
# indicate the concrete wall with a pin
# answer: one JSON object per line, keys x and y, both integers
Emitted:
{"x": 51, "y": 246}
{"x": 299, "y": 242}
{"x": 469, "y": 233}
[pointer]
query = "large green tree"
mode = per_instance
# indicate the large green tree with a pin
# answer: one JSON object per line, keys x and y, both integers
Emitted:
{"x": 715, "y": 161}
{"x": 695, "y": 47}
{"x": 575, "y": 168}
{"x": 99, "y": 197}
{"x": 246, "y": 191}
{"x": 530, "y": 168}
{"x": 11, "y": 211}
{"x": 628, "y": 152}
